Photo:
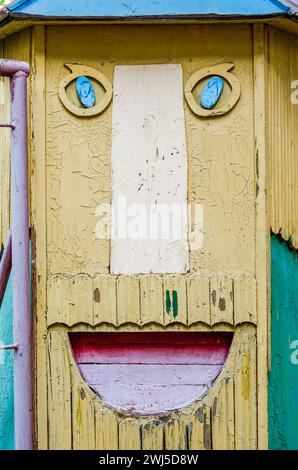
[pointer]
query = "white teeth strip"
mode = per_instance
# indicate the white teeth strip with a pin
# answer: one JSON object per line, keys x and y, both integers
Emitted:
{"x": 149, "y": 171}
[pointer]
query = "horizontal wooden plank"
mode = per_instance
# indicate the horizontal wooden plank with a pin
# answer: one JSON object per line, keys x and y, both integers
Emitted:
{"x": 212, "y": 339}
{"x": 149, "y": 399}
{"x": 149, "y": 374}
{"x": 151, "y": 354}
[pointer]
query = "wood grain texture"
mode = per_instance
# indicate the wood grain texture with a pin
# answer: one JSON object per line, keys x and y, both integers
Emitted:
{"x": 198, "y": 298}
{"x": 176, "y": 434}
{"x": 200, "y": 431}
{"x": 59, "y": 393}
{"x": 82, "y": 415}
{"x": 221, "y": 299}
{"x": 128, "y": 300}
{"x": 129, "y": 434}
{"x": 38, "y": 223}
{"x": 104, "y": 299}
{"x": 262, "y": 231}
{"x": 246, "y": 394}
{"x": 151, "y": 296}
{"x": 282, "y": 134}
{"x": 142, "y": 300}
{"x": 223, "y": 430}
{"x": 106, "y": 428}
{"x": 245, "y": 299}
{"x": 153, "y": 435}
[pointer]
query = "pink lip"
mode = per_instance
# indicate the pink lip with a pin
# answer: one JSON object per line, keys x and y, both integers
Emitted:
{"x": 150, "y": 373}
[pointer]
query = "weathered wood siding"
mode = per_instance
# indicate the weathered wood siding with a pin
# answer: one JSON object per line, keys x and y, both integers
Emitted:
{"x": 224, "y": 289}
{"x": 282, "y": 133}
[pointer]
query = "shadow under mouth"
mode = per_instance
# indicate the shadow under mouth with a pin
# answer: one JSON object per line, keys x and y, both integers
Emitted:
{"x": 150, "y": 373}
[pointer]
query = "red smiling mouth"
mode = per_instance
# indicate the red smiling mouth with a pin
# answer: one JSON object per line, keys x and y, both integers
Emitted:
{"x": 150, "y": 373}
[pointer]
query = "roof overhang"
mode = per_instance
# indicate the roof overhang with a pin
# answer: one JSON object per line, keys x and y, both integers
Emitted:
{"x": 24, "y": 13}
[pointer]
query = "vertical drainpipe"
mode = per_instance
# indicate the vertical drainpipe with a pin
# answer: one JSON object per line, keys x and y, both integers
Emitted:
{"x": 18, "y": 73}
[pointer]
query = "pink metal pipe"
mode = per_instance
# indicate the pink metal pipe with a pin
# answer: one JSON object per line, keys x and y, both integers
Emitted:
{"x": 5, "y": 267}
{"x": 8, "y": 68}
{"x": 18, "y": 72}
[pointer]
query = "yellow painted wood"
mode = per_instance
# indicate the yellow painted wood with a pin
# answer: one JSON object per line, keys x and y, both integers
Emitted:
{"x": 106, "y": 428}
{"x": 200, "y": 435}
{"x": 5, "y": 156}
{"x": 38, "y": 224}
{"x": 262, "y": 232}
{"x": 245, "y": 299}
{"x": 129, "y": 434}
{"x": 223, "y": 433}
{"x": 151, "y": 296}
{"x": 80, "y": 299}
{"x": 221, "y": 299}
{"x": 282, "y": 134}
{"x": 175, "y": 434}
{"x": 104, "y": 299}
{"x": 246, "y": 394}
{"x": 227, "y": 196}
{"x": 153, "y": 435}
{"x": 142, "y": 299}
{"x": 175, "y": 283}
{"x": 58, "y": 300}
{"x": 59, "y": 393}
{"x": 128, "y": 299}
{"x": 82, "y": 418}
{"x": 198, "y": 299}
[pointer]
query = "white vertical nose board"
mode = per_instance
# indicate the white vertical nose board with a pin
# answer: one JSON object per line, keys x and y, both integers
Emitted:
{"x": 149, "y": 168}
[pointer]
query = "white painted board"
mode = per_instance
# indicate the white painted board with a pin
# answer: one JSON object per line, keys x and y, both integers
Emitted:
{"x": 149, "y": 171}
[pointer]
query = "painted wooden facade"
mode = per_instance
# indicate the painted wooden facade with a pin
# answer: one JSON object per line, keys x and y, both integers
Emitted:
{"x": 224, "y": 289}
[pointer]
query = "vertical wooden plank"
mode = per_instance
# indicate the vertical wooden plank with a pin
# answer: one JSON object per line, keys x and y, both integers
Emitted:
{"x": 83, "y": 422}
{"x": 59, "y": 398}
{"x": 58, "y": 300}
{"x": 245, "y": 299}
{"x": 262, "y": 231}
{"x": 5, "y": 156}
{"x": 106, "y": 428}
{"x": 200, "y": 435}
{"x": 198, "y": 299}
{"x": 151, "y": 292}
{"x": 80, "y": 299}
{"x": 153, "y": 435}
{"x": 38, "y": 223}
{"x": 155, "y": 179}
{"x": 176, "y": 434}
{"x": 104, "y": 299}
{"x": 174, "y": 298}
{"x": 128, "y": 300}
{"x": 245, "y": 394}
{"x": 221, "y": 299}
{"x": 130, "y": 434}
{"x": 223, "y": 427}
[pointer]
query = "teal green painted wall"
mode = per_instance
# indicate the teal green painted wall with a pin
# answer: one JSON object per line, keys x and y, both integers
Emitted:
{"x": 6, "y": 374}
{"x": 283, "y": 378}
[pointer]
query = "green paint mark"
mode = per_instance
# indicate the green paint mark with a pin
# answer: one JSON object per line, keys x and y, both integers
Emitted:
{"x": 283, "y": 378}
{"x": 168, "y": 301}
{"x": 175, "y": 303}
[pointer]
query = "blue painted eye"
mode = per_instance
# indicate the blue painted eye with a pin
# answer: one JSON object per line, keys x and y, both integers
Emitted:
{"x": 211, "y": 92}
{"x": 85, "y": 92}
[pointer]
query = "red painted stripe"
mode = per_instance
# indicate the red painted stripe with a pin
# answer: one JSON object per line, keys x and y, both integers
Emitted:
{"x": 150, "y": 354}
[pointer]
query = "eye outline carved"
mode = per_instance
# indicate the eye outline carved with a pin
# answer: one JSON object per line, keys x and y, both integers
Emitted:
{"x": 84, "y": 70}
{"x": 223, "y": 71}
